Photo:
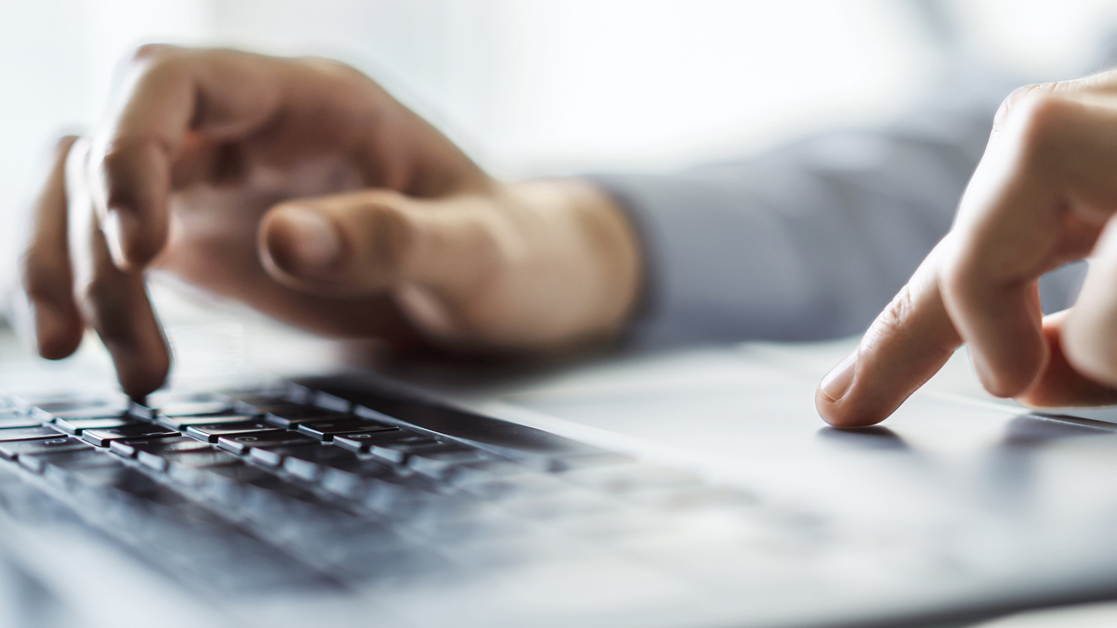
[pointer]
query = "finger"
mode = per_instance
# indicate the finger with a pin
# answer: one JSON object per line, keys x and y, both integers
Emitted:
{"x": 1037, "y": 201}
{"x": 371, "y": 241}
{"x": 169, "y": 95}
{"x": 47, "y": 274}
{"x": 1089, "y": 334}
{"x": 117, "y": 306}
{"x": 907, "y": 344}
{"x": 1061, "y": 384}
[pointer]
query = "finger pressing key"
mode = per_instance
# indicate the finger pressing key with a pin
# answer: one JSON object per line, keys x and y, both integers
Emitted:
{"x": 117, "y": 306}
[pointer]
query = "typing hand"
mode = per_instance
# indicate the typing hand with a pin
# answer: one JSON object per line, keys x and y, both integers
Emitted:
{"x": 1043, "y": 195}
{"x": 301, "y": 188}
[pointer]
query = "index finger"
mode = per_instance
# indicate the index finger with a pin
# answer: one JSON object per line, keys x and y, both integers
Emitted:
{"x": 168, "y": 94}
{"x": 908, "y": 343}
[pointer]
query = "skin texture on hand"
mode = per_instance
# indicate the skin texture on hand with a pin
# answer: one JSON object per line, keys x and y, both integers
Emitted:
{"x": 1043, "y": 195}
{"x": 301, "y": 188}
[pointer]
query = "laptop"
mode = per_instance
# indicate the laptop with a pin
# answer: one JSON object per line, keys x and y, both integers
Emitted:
{"x": 694, "y": 487}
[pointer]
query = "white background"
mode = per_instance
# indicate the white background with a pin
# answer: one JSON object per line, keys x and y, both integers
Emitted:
{"x": 547, "y": 86}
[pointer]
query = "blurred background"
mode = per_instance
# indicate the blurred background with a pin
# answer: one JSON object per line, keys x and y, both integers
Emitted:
{"x": 553, "y": 86}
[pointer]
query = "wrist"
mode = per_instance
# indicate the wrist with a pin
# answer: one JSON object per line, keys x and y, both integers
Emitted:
{"x": 595, "y": 241}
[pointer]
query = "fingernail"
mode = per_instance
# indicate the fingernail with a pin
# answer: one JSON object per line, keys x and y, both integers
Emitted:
{"x": 314, "y": 244}
{"x": 837, "y": 381}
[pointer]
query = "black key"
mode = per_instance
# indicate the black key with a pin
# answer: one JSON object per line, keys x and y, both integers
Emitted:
{"x": 28, "y": 433}
{"x": 399, "y": 452}
{"x": 438, "y": 462}
{"x": 312, "y": 454}
{"x": 194, "y": 460}
{"x": 291, "y": 416}
{"x": 16, "y": 419}
{"x": 75, "y": 426}
{"x": 157, "y": 457}
{"x": 101, "y": 438}
{"x": 211, "y": 432}
{"x": 10, "y": 450}
{"x": 131, "y": 447}
{"x": 326, "y": 430}
{"x": 63, "y": 462}
{"x": 241, "y": 444}
{"x": 361, "y": 442}
{"x": 182, "y": 422}
{"x": 309, "y": 463}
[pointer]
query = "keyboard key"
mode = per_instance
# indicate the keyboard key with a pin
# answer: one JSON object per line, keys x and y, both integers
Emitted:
{"x": 309, "y": 462}
{"x": 182, "y": 422}
{"x": 28, "y": 433}
{"x": 326, "y": 430}
{"x": 292, "y": 415}
{"x": 241, "y": 444}
{"x": 132, "y": 447}
{"x": 55, "y": 465}
{"x": 399, "y": 452}
{"x": 191, "y": 459}
{"x": 11, "y": 450}
{"x": 436, "y": 463}
{"x": 362, "y": 442}
{"x": 211, "y": 432}
{"x": 160, "y": 458}
{"x": 75, "y": 426}
{"x": 101, "y": 438}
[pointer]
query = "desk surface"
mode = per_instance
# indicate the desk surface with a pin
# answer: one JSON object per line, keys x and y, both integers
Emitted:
{"x": 953, "y": 461}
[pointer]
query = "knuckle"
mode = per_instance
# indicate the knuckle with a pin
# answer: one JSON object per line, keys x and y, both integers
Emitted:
{"x": 63, "y": 145}
{"x": 1041, "y": 123}
{"x": 334, "y": 68}
{"x": 389, "y": 235}
{"x": 1012, "y": 102}
{"x": 147, "y": 53}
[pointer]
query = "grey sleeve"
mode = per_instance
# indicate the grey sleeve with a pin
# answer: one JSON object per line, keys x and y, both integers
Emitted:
{"x": 809, "y": 241}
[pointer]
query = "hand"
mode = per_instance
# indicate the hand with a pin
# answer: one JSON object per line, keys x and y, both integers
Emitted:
{"x": 1043, "y": 195}
{"x": 301, "y": 188}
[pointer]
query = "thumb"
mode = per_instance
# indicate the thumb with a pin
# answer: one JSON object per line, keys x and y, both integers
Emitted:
{"x": 374, "y": 240}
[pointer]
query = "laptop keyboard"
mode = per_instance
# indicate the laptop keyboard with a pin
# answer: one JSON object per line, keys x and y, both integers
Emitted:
{"x": 292, "y": 486}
